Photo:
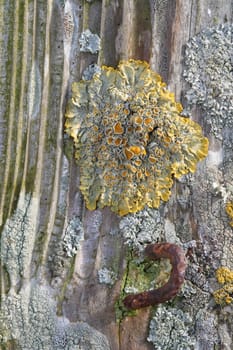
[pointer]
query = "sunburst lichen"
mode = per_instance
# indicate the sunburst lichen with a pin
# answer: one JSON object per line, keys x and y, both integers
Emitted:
{"x": 130, "y": 138}
{"x": 229, "y": 211}
{"x": 224, "y": 295}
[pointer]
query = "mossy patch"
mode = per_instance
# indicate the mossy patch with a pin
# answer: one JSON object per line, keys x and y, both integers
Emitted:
{"x": 140, "y": 275}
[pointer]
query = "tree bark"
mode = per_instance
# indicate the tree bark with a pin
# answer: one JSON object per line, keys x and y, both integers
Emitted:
{"x": 53, "y": 249}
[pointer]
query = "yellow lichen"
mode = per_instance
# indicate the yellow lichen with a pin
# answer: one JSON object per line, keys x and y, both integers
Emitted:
{"x": 224, "y": 275}
{"x": 127, "y": 115}
{"x": 224, "y": 295}
{"x": 229, "y": 211}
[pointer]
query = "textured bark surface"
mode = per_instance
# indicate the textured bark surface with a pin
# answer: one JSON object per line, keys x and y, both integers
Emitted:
{"x": 46, "y": 289}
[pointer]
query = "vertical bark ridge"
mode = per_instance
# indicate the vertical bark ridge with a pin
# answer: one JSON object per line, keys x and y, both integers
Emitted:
{"x": 10, "y": 117}
{"x": 21, "y": 122}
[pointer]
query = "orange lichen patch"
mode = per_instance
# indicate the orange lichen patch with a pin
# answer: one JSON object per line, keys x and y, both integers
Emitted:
{"x": 138, "y": 120}
{"x": 129, "y": 154}
{"x": 109, "y": 140}
{"x": 126, "y": 111}
{"x": 139, "y": 129}
{"x": 139, "y": 175}
{"x": 148, "y": 121}
{"x": 155, "y": 111}
{"x": 150, "y": 128}
{"x": 108, "y": 131}
{"x": 152, "y": 159}
{"x": 118, "y": 141}
{"x": 135, "y": 150}
{"x": 118, "y": 128}
{"x": 138, "y": 162}
{"x": 115, "y": 115}
{"x": 124, "y": 141}
{"x": 229, "y": 211}
{"x": 167, "y": 139}
{"x": 124, "y": 122}
{"x": 131, "y": 168}
{"x": 107, "y": 177}
{"x": 224, "y": 295}
{"x": 124, "y": 173}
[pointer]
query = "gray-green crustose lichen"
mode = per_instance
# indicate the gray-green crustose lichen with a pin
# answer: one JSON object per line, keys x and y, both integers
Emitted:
{"x": 28, "y": 310}
{"x": 29, "y": 319}
{"x": 107, "y": 276}
{"x": 209, "y": 71}
{"x": 17, "y": 239}
{"x": 90, "y": 71}
{"x": 74, "y": 234}
{"x": 142, "y": 228}
{"x": 207, "y": 330}
{"x": 78, "y": 336}
{"x": 130, "y": 138}
{"x": 89, "y": 42}
{"x": 171, "y": 329}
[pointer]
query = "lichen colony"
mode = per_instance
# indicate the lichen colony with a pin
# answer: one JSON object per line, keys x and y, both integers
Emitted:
{"x": 229, "y": 211}
{"x": 224, "y": 295}
{"x": 130, "y": 138}
{"x": 208, "y": 61}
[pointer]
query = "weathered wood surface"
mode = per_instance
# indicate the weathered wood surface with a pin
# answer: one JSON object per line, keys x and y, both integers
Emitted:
{"x": 42, "y": 288}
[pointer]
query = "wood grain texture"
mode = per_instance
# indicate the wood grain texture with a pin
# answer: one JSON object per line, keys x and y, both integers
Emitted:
{"x": 39, "y": 194}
